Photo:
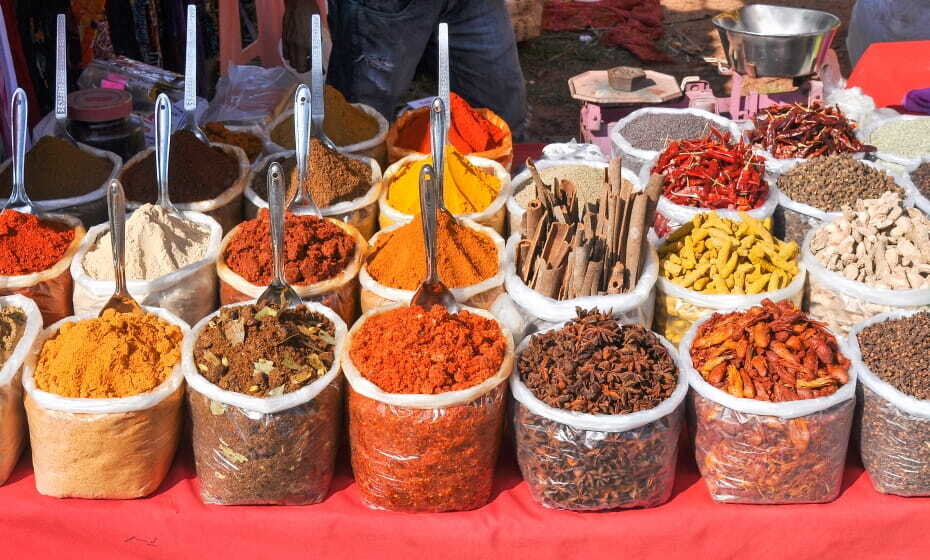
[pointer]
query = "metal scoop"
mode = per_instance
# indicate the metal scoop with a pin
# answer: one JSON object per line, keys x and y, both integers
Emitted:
{"x": 279, "y": 293}
{"x": 120, "y": 301}
{"x": 302, "y": 203}
{"x": 317, "y": 85}
{"x": 61, "y": 82}
{"x": 163, "y": 151}
{"x": 431, "y": 291}
{"x": 190, "y": 76}
{"x": 438, "y": 130}
{"x": 19, "y": 200}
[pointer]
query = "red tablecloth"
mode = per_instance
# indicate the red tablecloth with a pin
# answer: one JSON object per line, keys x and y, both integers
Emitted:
{"x": 887, "y": 71}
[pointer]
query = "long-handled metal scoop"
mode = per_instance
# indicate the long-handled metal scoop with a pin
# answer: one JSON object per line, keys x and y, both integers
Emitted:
{"x": 190, "y": 76}
{"x": 302, "y": 203}
{"x": 437, "y": 136}
{"x": 163, "y": 151}
{"x": 318, "y": 99}
{"x": 19, "y": 200}
{"x": 120, "y": 301}
{"x": 431, "y": 291}
{"x": 61, "y": 81}
{"x": 279, "y": 293}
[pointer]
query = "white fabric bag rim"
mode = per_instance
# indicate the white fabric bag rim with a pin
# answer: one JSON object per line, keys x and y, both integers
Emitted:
{"x": 865, "y": 135}
{"x": 622, "y": 145}
{"x": 554, "y": 311}
{"x": 599, "y": 422}
{"x": 730, "y": 301}
{"x": 261, "y": 405}
{"x": 898, "y": 399}
{"x": 368, "y": 389}
{"x": 30, "y": 331}
{"x": 786, "y": 410}
{"x": 142, "y": 401}
{"x": 362, "y": 146}
{"x": 16, "y": 281}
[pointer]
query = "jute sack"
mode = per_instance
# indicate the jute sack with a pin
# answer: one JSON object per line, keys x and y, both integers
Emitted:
{"x": 494, "y": 216}
{"x": 481, "y": 295}
{"x": 225, "y": 208}
{"x": 339, "y": 293}
{"x": 118, "y": 448}
{"x": 51, "y": 288}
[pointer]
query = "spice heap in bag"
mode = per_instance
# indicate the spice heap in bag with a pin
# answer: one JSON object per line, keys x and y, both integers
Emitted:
{"x": 12, "y": 326}
{"x": 712, "y": 172}
{"x": 345, "y": 124}
{"x": 29, "y": 244}
{"x": 714, "y": 255}
{"x": 595, "y": 365}
{"x": 921, "y": 178}
{"x": 333, "y": 177}
{"x": 801, "y": 131}
{"x": 588, "y": 181}
{"x": 831, "y": 183}
{"x": 771, "y": 352}
{"x": 908, "y": 138}
{"x": 571, "y": 250}
{"x": 467, "y": 188}
{"x": 421, "y": 458}
{"x": 250, "y": 143}
{"x": 56, "y": 168}
{"x": 469, "y": 130}
{"x": 284, "y": 457}
{"x": 653, "y": 131}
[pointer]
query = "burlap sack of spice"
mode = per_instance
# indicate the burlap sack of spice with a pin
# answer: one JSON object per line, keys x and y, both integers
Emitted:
{"x": 481, "y": 295}
{"x": 307, "y": 422}
{"x": 90, "y": 208}
{"x": 374, "y": 148}
{"x": 50, "y": 289}
{"x": 759, "y": 452}
{"x": 339, "y": 293}
{"x": 494, "y": 216}
{"x": 361, "y": 212}
{"x": 227, "y": 207}
{"x": 118, "y": 448}
{"x": 573, "y": 436}
{"x": 190, "y": 292}
{"x": 502, "y": 154}
{"x": 12, "y": 415}
{"x": 450, "y": 433}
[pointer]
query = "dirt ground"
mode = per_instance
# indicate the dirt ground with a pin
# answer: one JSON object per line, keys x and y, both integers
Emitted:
{"x": 551, "y": 59}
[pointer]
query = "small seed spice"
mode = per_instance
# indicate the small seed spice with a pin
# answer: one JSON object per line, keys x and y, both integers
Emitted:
{"x": 921, "y": 178}
{"x": 909, "y": 138}
{"x": 653, "y": 131}
{"x": 588, "y": 181}
{"x": 833, "y": 182}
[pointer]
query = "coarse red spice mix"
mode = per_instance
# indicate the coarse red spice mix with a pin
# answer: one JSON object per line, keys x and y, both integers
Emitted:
{"x": 29, "y": 245}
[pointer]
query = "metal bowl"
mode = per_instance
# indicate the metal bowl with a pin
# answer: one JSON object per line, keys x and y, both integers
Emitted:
{"x": 773, "y": 41}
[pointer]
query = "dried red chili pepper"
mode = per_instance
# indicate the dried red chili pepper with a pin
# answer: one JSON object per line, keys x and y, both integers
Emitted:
{"x": 805, "y": 131}
{"x": 712, "y": 172}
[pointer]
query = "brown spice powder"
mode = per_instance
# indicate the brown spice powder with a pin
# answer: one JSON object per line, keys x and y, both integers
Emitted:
{"x": 57, "y": 169}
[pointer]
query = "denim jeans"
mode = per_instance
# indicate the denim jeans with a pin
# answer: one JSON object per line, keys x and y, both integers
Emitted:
{"x": 377, "y": 45}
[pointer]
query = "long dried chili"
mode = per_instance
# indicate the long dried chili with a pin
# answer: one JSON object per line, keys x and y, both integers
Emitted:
{"x": 805, "y": 131}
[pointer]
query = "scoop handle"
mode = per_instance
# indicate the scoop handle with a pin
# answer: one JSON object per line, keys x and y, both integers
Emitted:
{"x": 61, "y": 69}
{"x": 429, "y": 205}
{"x": 116, "y": 208}
{"x": 276, "y": 219}
{"x": 437, "y": 122}
{"x": 162, "y": 147}
{"x": 190, "y": 62}
{"x": 317, "y": 104}
{"x": 20, "y": 109}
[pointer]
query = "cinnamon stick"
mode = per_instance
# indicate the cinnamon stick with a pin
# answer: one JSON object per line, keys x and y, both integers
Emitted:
{"x": 550, "y": 280}
{"x": 534, "y": 213}
{"x": 636, "y": 240}
{"x": 615, "y": 284}
{"x": 541, "y": 187}
{"x": 592, "y": 278}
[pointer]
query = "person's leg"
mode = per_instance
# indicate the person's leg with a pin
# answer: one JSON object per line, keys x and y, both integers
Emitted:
{"x": 376, "y": 47}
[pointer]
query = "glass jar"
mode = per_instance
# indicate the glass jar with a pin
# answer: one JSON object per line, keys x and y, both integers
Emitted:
{"x": 103, "y": 118}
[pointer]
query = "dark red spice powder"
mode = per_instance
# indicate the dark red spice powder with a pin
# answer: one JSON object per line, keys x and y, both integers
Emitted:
{"x": 29, "y": 245}
{"x": 441, "y": 351}
{"x": 315, "y": 249}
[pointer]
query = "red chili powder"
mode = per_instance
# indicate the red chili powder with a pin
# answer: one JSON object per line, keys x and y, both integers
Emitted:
{"x": 469, "y": 132}
{"x": 315, "y": 249}
{"x": 410, "y": 350}
{"x": 29, "y": 245}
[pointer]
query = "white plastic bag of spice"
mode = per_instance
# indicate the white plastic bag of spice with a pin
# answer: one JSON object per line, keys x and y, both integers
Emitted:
{"x": 865, "y": 135}
{"x": 481, "y": 295}
{"x": 119, "y": 448}
{"x": 225, "y": 208}
{"x": 90, "y": 208}
{"x": 541, "y": 312}
{"x": 339, "y": 293}
{"x": 759, "y": 452}
{"x": 374, "y": 147}
{"x": 636, "y": 158}
{"x": 190, "y": 292}
{"x": 51, "y": 289}
{"x": 592, "y": 462}
{"x": 12, "y": 415}
{"x": 893, "y": 427}
{"x": 841, "y": 303}
{"x": 418, "y": 452}
{"x": 494, "y": 216}
{"x": 921, "y": 201}
{"x": 273, "y": 450}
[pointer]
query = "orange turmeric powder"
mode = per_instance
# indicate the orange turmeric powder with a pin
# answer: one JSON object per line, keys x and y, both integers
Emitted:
{"x": 116, "y": 355}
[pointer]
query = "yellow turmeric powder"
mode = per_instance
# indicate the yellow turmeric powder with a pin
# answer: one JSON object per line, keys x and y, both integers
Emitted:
{"x": 116, "y": 355}
{"x": 467, "y": 188}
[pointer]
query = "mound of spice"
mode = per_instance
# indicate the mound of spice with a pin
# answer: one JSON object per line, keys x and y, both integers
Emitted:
{"x": 770, "y": 352}
{"x": 469, "y": 130}
{"x": 29, "y": 245}
{"x": 315, "y": 249}
{"x": 333, "y": 177}
{"x": 833, "y": 182}
{"x": 56, "y": 168}
{"x": 805, "y": 131}
{"x": 442, "y": 351}
{"x": 654, "y": 131}
{"x": 465, "y": 256}
{"x": 112, "y": 356}
{"x": 157, "y": 243}
{"x": 196, "y": 171}
{"x": 588, "y": 181}
{"x": 345, "y": 124}
{"x": 260, "y": 177}
{"x": 712, "y": 172}
{"x": 12, "y": 327}
{"x": 265, "y": 351}
{"x": 921, "y": 178}
{"x": 898, "y": 352}
{"x": 907, "y": 138}
{"x": 467, "y": 188}
{"x": 715, "y": 255}
{"x": 250, "y": 143}
{"x": 879, "y": 243}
